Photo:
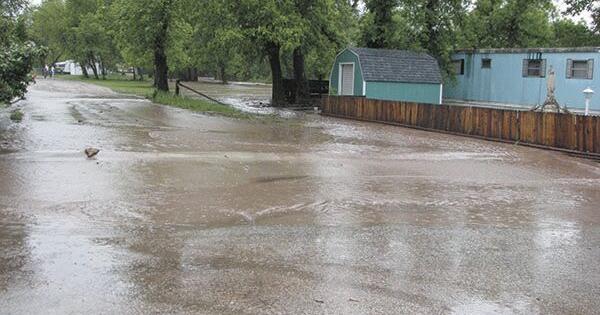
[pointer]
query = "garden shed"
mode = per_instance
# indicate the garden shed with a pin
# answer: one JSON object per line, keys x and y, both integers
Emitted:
{"x": 395, "y": 75}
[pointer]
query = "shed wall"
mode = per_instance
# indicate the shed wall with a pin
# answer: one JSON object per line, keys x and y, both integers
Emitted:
{"x": 408, "y": 92}
{"x": 344, "y": 57}
{"x": 504, "y": 82}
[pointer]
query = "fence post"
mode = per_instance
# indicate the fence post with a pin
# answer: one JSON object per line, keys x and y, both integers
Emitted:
{"x": 177, "y": 87}
{"x": 518, "y": 137}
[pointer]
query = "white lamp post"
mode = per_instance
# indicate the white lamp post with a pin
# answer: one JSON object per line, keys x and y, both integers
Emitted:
{"x": 588, "y": 97}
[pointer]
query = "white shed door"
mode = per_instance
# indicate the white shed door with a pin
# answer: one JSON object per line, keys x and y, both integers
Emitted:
{"x": 347, "y": 79}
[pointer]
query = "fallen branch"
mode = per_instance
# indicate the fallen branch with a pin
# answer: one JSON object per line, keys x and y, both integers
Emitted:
{"x": 16, "y": 101}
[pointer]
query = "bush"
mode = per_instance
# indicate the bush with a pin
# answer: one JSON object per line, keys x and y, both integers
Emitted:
{"x": 16, "y": 116}
{"x": 16, "y": 64}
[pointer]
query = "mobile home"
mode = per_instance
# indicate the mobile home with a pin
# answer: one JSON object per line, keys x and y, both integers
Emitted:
{"x": 518, "y": 76}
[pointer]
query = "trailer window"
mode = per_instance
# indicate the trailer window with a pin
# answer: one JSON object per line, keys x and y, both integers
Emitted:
{"x": 534, "y": 68}
{"x": 580, "y": 69}
{"x": 459, "y": 66}
{"x": 486, "y": 63}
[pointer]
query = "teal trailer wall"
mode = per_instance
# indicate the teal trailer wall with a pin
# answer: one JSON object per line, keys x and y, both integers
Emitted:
{"x": 344, "y": 57}
{"x": 409, "y": 92}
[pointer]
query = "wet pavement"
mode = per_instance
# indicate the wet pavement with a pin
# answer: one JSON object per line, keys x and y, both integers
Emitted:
{"x": 187, "y": 213}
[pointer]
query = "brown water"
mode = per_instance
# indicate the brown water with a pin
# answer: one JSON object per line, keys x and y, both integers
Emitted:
{"x": 186, "y": 213}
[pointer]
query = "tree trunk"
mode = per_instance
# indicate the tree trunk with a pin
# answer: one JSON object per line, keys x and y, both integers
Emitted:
{"x": 92, "y": 63}
{"x": 161, "y": 78}
{"x": 103, "y": 70}
{"x": 223, "y": 73}
{"x": 140, "y": 73}
{"x": 302, "y": 90}
{"x": 278, "y": 94}
{"x": 194, "y": 75}
{"x": 161, "y": 68}
{"x": 83, "y": 66}
{"x": 432, "y": 43}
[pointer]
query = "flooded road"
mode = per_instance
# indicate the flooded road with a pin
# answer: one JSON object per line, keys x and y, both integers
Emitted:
{"x": 185, "y": 213}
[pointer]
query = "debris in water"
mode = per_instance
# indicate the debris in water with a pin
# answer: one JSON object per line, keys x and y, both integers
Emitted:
{"x": 91, "y": 152}
{"x": 353, "y": 300}
{"x": 320, "y": 301}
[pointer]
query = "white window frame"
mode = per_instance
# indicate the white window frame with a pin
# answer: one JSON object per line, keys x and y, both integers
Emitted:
{"x": 341, "y": 64}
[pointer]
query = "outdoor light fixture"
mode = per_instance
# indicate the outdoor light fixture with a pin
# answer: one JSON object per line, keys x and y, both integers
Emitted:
{"x": 588, "y": 97}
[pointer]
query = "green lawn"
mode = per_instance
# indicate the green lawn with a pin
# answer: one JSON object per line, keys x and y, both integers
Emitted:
{"x": 145, "y": 89}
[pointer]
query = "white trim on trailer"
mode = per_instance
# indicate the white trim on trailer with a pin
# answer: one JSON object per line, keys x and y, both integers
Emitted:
{"x": 441, "y": 93}
{"x": 340, "y": 78}
{"x": 364, "y": 93}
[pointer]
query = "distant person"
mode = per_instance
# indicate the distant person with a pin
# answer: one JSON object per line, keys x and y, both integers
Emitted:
{"x": 45, "y": 71}
{"x": 52, "y": 72}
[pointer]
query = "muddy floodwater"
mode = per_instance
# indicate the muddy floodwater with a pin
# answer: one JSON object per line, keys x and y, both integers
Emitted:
{"x": 184, "y": 213}
{"x": 248, "y": 97}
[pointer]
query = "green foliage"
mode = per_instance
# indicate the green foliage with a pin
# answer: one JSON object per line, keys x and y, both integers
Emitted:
{"x": 378, "y": 25}
{"x": 570, "y": 34}
{"x": 49, "y": 28}
{"x": 329, "y": 27}
{"x": 510, "y": 23}
{"x": 16, "y": 54}
{"x": 258, "y": 39}
{"x": 220, "y": 43}
{"x": 427, "y": 25}
{"x": 16, "y": 65}
{"x": 16, "y": 115}
{"x": 579, "y": 6}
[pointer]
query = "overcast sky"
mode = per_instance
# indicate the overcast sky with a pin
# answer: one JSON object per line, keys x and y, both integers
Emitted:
{"x": 559, "y": 3}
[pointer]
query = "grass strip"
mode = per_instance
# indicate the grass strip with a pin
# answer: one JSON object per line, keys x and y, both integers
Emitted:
{"x": 146, "y": 90}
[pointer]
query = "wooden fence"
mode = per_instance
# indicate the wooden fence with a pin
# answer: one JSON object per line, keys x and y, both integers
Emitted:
{"x": 563, "y": 131}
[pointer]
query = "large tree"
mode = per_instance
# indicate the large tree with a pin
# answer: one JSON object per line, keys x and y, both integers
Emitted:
{"x": 49, "y": 28}
{"x": 325, "y": 28}
{"x": 270, "y": 25}
{"x": 378, "y": 23}
{"x": 143, "y": 30}
{"x": 438, "y": 23}
{"x": 571, "y": 34}
{"x": 508, "y": 23}
{"x": 218, "y": 41}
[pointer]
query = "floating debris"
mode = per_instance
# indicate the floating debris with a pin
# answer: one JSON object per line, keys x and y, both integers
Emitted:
{"x": 91, "y": 152}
